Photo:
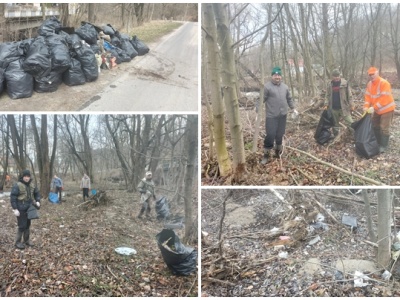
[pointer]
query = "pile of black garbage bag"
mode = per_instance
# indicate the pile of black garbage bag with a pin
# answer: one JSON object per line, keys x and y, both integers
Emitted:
{"x": 54, "y": 57}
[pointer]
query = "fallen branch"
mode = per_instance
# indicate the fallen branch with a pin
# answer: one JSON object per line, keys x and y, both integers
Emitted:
{"x": 326, "y": 211}
{"x": 370, "y": 243}
{"x": 218, "y": 281}
{"x": 336, "y": 167}
{"x": 112, "y": 273}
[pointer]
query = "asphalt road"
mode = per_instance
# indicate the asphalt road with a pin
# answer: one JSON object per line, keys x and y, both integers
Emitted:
{"x": 165, "y": 79}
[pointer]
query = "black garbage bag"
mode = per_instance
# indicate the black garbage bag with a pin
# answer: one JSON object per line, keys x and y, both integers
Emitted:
{"x": 116, "y": 41}
{"x": 2, "y": 80}
{"x": 60, "y": 57}
{"x": 181, "y": 260}
{"x": 162, "y": 208}
{"x": 139, "y": 46}
{"x": 51, "y": 25}
{"x": 9, "y": 52}
{"x": 88, "y": 33}
{"x": 114, "y": 53}
{"x": 19, "y": 83}
{"x": 366, "y": 143}
{"x": 122, "y": 55}
{"x": 24, "y": 46}
{"x": 49, "y": 83}
{"x": 88, "y": 61}
{"x": 68, "y": 37}
{"x": 128, "y": 48}
{"x": 108, "y": 30}
{"x": 74, "y": 75}
{"x": 75, "y": 39}
{"x": 38, "y": 58}
{"x": 326, "y": 122}
{"x": 96, "y": 49}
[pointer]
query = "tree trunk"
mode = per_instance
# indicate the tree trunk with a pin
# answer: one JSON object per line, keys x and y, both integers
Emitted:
{"x": 64, "y": 13}
{"x": 229, "y": 87}
{"x": 213, "y": 55}
{"x": 91, "y": 12}
{"x": 191, "y": 147}
{"x": 384, "y": 227}
{"x": 371, "y": 232}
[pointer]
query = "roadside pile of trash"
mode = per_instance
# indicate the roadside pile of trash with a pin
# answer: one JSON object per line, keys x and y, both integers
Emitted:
{"x": 54, "y": 57}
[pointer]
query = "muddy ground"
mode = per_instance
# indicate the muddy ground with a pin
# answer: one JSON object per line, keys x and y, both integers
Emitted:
{"x": 75, "y": 251}
{"x": 258, "y": 263}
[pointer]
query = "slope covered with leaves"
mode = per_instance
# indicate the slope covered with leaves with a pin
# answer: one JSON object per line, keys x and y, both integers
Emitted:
{"x": 297, "y": 168}
{"x": 74, "y": 253}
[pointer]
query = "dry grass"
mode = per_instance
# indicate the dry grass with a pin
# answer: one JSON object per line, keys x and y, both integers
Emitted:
{"x": 150, "y": 32}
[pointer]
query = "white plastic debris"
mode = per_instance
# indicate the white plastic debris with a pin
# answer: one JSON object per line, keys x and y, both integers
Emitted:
{"x": 359, "y": 278}
{"x": 283, "y": 254}
{"x": 386, "y": 275}
{"x": 125, "y": 250}
{"x": 275, "y": 229}
{"x": 320, "y": 217}
{"x": 314, "y": 240}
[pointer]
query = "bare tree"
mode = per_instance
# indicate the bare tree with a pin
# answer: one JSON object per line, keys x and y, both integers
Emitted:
{"x": 384, "y": 227}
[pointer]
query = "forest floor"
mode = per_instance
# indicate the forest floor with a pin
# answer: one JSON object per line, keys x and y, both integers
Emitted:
{"x": 296, "y": 168}
{"x": 74, "y": 253}
{"x": 266, "y": 253}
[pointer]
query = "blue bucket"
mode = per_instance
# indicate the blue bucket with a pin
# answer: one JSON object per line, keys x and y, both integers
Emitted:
{"x": 94, "y": 192}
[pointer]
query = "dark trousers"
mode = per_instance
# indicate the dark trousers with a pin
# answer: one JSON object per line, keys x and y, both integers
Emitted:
{"x": 58, "y": 191}
{"x": 275, "y": 129}
{"x": 85, "y": 193}
{"x": 23, "y": 222}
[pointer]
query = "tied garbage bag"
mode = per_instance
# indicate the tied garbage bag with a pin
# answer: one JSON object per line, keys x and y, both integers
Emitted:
{"x": 51, "y": 25}
{"x": 9, "y": 52}
{"x": 60, "y": 57}
{"x": 32, "y": 212}
{"x": 49, "y": 83}
{"x": 323, "y": 133}
{"x": 181, "y": 260}
{"x": 88, "y": 60}
{"x": 139, "y": 46}
{"x": 108, "y": 30}
{"x": 128, "y": 48}
{"x": 366, "y": 144}
{"x": 38, "y": 60}
{"x": 88, "y": 33}
{"x": 2, "y": 79}
{"x": 74, "y": 75}
{"x": 53, "y": 198}
{"x": 162, "y": 208}
{"x": 19, "y": 83}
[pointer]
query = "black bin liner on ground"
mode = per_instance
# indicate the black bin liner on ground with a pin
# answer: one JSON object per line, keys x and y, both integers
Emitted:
{"x": 88, "y": 60}
{"x": 162, "y": 208}
{"x": 38, "y": 60}
{"x": 74, "y": 75}
{"x": 19, "y": 83}
{"x": 123, "y": 56}
{"x": 366, "y": 144}
{"x": 116, "y": 41}
{"x": 88, "y": 33}
{"x": 323, "y": 133}
{"x": 51, "y": 25}
{"x": 128, "y": 48}
{"x": 2, "y": 80}
{"x": 8, "y": 53}
{"x": 181, "y": 260}
{"x": 108, "y": 30}
{"x": 60, "y": 58}
{"x": 49, "y": 83}
{"x": 139, "y": 46}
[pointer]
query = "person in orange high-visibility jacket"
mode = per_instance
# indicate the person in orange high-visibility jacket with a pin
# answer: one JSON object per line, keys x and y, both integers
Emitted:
{"x": 379, "y": 100}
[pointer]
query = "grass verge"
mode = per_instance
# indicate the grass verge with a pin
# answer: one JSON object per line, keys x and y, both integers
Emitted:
{"x": 150, "y": 32}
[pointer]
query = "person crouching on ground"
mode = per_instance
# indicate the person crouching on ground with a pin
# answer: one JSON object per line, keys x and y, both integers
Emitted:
{"x": 23, "y": 194}
{"x": 85, "y": 186}
{"x": 146, "y": 188}
{"x": 57, "y": 186}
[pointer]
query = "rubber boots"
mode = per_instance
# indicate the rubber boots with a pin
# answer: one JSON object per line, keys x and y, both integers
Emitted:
{"x": 18, "y": 240}
{"x": 26, "y": 238}
{"x": 278, "y": 151}
{"x": 265, "y": 157}
{"x": 384, "y": 143}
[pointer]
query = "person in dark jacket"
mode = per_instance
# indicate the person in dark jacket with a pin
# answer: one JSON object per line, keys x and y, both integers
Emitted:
{"x": 23, "y": 194}
{"x": 277, "y": 99}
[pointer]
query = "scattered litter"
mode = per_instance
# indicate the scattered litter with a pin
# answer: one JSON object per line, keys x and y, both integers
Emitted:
{"x": 386, "y": 275}
{"x": 359, "y": 279}
{"x": 349, "y": 221}
{"x": 396, "y": 246}
{"x": 320, "y": 217}
{"x": 283, "y": 254}
{"x": 284, "y": 237}
{"x": 125, "y": 250}
{"x": 314, "y": 240}
{"x": 338, "y": 275}
{"x": 61, "y": 226}
{"x": 275, "y": 229}
{"x": 318, "y": 225}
